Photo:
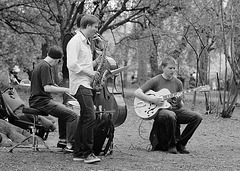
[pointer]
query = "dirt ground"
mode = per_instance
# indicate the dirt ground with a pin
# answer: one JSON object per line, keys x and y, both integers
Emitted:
{"x": 215, "y": 146}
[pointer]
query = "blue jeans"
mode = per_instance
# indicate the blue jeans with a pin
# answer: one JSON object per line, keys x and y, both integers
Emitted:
{"x": 84, "y": 134}
{"x": 173, "y": 119}
{"x": 67, "y": 119}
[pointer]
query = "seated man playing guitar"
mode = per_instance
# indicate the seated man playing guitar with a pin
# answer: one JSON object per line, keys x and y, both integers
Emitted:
{"x": 170, "y": 115}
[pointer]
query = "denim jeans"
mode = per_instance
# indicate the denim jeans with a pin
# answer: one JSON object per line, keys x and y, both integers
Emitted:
{"x": 84, "y": 134}
{"x": 173, "y": 119}
{"x": 67, "y": 119}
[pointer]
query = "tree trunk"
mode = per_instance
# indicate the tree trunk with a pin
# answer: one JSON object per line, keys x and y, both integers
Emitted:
{"x": 44, "y": 50}
{"x": 154, "y": 65}
{"x": 142, "y": 75}
{"x": 12, "y": 134}
{"x": 203, "y": 68}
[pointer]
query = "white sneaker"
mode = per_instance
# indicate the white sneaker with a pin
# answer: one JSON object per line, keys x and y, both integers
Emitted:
{"x": 78, "y": 158}
{"x": 69, "y": 148}
{"x": 91, "y": 158}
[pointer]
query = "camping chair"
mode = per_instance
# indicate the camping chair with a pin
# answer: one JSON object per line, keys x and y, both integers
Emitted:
{"x": 35, "y": 139}
{"x": 14, "y": 106}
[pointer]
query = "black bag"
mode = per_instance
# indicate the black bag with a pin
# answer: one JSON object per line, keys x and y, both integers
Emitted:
{"x": 103, "y": 134}
{"x": 158, "y": 137}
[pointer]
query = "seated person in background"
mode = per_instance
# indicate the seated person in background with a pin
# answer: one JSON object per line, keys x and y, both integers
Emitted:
{"x": 170, "y": 118}
{"x": 42, "y": 85}
{"x": 191, "y": 81}
{"x": 28, "y": 71}
{"x": 14, "y": 78}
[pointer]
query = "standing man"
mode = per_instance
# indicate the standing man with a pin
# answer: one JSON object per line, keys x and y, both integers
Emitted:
{"x": 42, "y": 85}
{"x": 81, "y": 75}
{"x": 171, "y": 118}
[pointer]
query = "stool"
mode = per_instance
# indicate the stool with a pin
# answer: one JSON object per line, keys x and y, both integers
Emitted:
{"x": 35, "y": 138}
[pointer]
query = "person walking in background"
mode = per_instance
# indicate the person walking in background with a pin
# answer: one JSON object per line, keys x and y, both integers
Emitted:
{"x": 192, "y": 81}
{"x": 42, "y": 85}
{"x": 81, "y": 75}
{"x": 175, "y": 115}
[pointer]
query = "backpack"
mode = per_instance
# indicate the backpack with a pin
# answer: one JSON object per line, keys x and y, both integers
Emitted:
{"x": 159, "y": 138}
{"x": 103, "y": 134}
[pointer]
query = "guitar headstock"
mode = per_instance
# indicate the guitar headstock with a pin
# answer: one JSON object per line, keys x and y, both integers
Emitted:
{"x": 203, "y": 88}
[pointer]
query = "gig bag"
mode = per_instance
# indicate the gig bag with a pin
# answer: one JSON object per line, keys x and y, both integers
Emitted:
{"x": 103, "y": 134}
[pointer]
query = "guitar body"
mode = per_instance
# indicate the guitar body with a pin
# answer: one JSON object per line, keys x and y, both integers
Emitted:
{"x": 147, "y": 110}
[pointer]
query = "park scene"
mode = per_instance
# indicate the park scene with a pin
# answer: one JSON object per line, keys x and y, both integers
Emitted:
{"x": 202, "y": 38}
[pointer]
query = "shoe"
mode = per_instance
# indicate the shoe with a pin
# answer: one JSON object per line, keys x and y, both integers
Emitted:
{"x": 61, "y": 144}
{"x": 182, "y": 149}
{"x": 79, "y": 158}
{"x": 172, "y": 150}
{"x": 68, "y": 149}
{"x": 91, "y": 158}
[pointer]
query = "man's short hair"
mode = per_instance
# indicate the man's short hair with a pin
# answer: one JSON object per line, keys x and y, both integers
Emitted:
{"x": 88, "y": 19}
{"x": 55, "y": 52}
{"x": 168, "y": 60}
{"x": 79, "y": 20}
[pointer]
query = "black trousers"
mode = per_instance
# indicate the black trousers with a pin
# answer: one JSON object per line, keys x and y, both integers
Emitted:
{"x": 84, "y": 134}
{"x": 166, "y": 127}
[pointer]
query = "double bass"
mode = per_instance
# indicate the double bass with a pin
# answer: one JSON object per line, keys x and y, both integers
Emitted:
{"x": 110, "y": 98}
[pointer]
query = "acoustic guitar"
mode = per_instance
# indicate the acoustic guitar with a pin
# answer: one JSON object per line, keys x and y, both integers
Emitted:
{"x": 147, "y": 110}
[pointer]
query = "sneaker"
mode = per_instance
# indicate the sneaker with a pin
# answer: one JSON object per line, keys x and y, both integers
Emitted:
{"x": 68, "y": 149}
{"x": 61, "y": 144}
{"x": 182, "y": 149}
{"x": 78, "y": 158}
{"x": 172, "y": 150}
{"x": 91, "y": 158}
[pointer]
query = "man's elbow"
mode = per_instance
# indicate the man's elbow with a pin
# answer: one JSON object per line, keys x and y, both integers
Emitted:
{"x": 47, "y": 88}
{"x": 136, "y": 92}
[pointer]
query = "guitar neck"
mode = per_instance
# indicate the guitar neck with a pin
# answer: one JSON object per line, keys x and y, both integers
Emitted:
{"x": 169, "y": 96}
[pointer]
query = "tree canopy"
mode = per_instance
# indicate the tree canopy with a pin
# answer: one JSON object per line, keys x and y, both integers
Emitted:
{"x": 142, "y": 32}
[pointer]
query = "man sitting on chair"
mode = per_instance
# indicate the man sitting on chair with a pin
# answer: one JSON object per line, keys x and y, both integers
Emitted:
{"x": 175, "y": 115}
{"x": 42, "y": 85}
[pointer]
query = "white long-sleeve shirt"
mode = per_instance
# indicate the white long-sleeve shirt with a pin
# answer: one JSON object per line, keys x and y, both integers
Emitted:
{"x": 79, "y": 57}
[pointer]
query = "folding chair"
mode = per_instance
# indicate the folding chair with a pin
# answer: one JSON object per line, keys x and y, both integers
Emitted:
{"x": 35, "y": 138}
{"x": 16, "y": 116}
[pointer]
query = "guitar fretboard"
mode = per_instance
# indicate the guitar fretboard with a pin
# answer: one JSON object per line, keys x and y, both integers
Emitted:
{"x": 168, "y": 96}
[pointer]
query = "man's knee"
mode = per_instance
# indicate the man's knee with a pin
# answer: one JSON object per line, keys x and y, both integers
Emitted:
{"x": 165, "y": 115}
{"x": 198, "y": 116}
{"x": 72, "y": 115}
{"x": 172, "y": 115}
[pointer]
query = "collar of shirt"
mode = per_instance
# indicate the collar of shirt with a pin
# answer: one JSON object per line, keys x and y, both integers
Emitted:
{"x": 83, "y": 37}
{"x": 47, "y": 63}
